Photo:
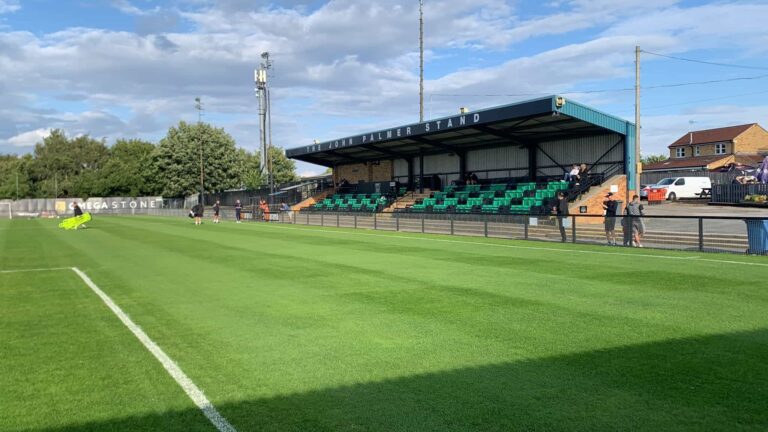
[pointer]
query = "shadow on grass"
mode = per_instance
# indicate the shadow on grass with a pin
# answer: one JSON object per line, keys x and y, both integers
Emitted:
{"x": 716, "y": 382}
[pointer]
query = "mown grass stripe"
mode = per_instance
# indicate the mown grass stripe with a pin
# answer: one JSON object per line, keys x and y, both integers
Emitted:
{"x": 189, "y": 387}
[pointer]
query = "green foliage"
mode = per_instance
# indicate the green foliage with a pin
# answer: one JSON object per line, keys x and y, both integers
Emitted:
{"x": 14, "y": 171}
{"x": 83, "y": 166}
{"x": 283, "y": 169}
{"x": 177, "y": 160}
{"x": 129, "y": 170}
{"x": 652, "y": 158}
{"x": 251, "y": 169}
{"x": 65, "y": 166}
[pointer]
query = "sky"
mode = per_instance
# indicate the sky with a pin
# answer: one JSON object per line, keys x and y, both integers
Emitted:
{"x": 132, "y": 68}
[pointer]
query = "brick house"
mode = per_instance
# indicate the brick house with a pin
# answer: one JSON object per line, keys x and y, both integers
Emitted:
{"x": 712, "y": 149}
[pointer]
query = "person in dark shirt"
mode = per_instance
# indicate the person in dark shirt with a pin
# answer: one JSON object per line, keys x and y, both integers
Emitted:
{"x": 216, "y": 208}
{"x": 197, "y": 212}
{"x": 78, "y": 212}
{"x": 610, "y": 207}
{"x": 238, "y": 210}
{"x": 561, "y": 208}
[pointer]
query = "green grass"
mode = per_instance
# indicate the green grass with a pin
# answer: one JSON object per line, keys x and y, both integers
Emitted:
{"x": 290, "y": 328}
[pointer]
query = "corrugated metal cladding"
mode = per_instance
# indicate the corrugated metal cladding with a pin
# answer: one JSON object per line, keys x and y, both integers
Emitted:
{"x": 499, "y": 158}
{"x": 580, "y": 150}
{"x": 400, "y": 167}
{"x": 439, "y": 163}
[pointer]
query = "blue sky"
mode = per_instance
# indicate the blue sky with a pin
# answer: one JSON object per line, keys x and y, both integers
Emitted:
{"x": 132, "y": 68}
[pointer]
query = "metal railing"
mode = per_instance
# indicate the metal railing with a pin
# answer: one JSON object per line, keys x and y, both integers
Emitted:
{"x": 738, "y": 235}
{"x": 735, "y": 193}
{"x": 686, "y": 233}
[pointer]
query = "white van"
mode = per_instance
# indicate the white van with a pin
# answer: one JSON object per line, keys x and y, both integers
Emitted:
{"x": 683, "y": 187}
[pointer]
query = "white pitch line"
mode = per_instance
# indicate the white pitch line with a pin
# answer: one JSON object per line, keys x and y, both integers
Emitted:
{"x": 35, "y": 270}
{"x": 580, "y": 251}
{"x": 189, "y": 387}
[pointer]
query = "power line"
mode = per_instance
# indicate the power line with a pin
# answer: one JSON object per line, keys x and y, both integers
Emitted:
{"x": 651, "y": 108}
{"x": 626, "y": 89}
{"x": 706, "y": 62}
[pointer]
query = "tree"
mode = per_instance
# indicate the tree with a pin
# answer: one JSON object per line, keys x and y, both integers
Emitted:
{"x": 14, "y": 171}
{"x": 251, "y": 169}
{"x": 177, "y": 160}
{"x": 283, "y": 169}
{"x": 67, "y": 167}
{"x": 129, "y": 170}
{"x": 652, "y": 158}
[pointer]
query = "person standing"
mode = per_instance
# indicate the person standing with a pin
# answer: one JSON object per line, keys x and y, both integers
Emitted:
{"x": 561, "y": 208}
{"x": 78, "y": 212}
{"x": 286, "y": 210}
{"x": 634, "y": 210}
{"x": 609, "y": 206}
{"x": 238, "y": 210}
{"x": 216, "y": 209}
{"x": 197, "y": 212}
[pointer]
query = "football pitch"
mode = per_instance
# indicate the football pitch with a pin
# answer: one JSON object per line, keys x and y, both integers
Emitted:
{"x": 296, "y": 328}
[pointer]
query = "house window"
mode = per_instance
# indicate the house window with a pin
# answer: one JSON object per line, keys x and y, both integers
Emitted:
{"x": 680, "y": 152}
{"x": 720, "y": 148}
{"x": 697, "y": 151}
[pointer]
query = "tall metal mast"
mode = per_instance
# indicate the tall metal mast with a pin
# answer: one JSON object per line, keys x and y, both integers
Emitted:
{"x": 421, "y": 60}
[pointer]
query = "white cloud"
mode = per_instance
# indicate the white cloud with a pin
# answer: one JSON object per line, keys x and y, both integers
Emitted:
{"x": 29, "y": 138}
{"x": 8, "y": 6}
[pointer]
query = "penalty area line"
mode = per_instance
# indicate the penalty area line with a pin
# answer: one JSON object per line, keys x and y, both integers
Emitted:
{"x": 35, "y": 270}
{"x": 189, "y": 387}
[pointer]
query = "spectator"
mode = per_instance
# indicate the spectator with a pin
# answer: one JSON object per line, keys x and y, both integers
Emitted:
{"x": 238, "y": 210}
{"x": 286, "y": 209}
{"x": 561, "y": 209}
{"x": 583, "y": 174}
{"x": 573, "y": 174}
{"x": 473, "y": 178}
{"x": 216, "y": 208}
{"x": 635, "y": 210}
{"x": 609, "y": 206}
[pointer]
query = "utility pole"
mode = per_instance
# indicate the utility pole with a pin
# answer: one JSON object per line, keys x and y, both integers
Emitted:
{"x": 638, "y": 165}
{"x": 260, "y": 76}
{"x": 199, "y": 107}
{"x": 421, "y": 60}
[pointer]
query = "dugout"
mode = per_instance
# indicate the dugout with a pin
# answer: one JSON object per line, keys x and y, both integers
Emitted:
{"x": 532, "y": 140}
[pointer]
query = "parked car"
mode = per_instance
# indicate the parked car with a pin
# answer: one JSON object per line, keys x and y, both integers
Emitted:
{"x": 644, "y": 190}
{"x": 683, "y": 187}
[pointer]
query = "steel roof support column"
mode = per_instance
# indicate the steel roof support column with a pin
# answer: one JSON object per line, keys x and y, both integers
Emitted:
{"x": 410, "y": 173}
{"x": 462, "y": 164}
{"x": 421, "y": 171}
{"x": 533, "y": 161}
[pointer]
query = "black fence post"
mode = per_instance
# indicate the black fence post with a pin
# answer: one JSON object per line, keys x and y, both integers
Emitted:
{"x": 526, "y": 223}
{"x": 485, "y": 226}
{"x": 451, "y": 217}
{"x": 322, "y": 219}
{"x": 307, "y": 218}
{"x": 422, "y": 222}
{"x": 355, "y": 221}
{"x": 397, "y": 222}
{"x": 701, "y": 234}
{"x": 573, "y": 229}
{"x": 375, "y": 222}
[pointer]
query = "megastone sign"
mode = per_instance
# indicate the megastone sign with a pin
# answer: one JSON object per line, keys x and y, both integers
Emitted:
{"x": 114, "y": 204}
